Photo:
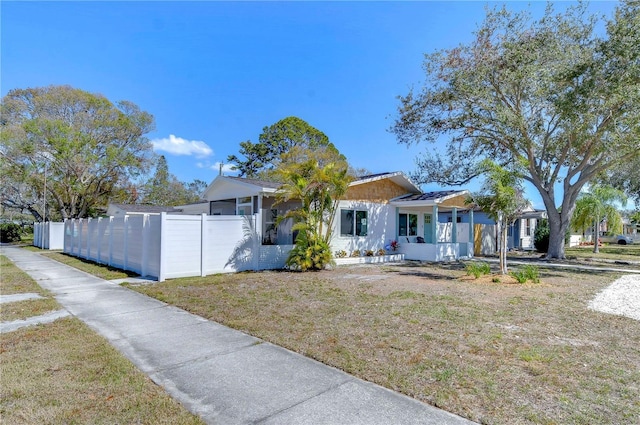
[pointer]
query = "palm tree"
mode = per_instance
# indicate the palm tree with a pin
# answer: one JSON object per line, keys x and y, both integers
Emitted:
{"x": 318, "y": 186}
{"x": 596, "y": 205}
{"x": 501, "y": 197}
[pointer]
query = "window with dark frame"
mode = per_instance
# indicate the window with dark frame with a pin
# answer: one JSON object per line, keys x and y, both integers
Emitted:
{"x": 353, "y": 223}
{"x": 407, "y": 224}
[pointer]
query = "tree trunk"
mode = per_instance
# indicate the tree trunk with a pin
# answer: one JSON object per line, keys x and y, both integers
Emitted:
{"x": 596, "y": 228}
{"x": 557, "y": 229}
{"x": 502, "y": 245}
{"x": 503, "y": 252}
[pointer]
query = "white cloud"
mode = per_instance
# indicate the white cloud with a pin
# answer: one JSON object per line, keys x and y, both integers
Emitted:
{"x": 226, "y": 168}
{"x": 180, "y": 146}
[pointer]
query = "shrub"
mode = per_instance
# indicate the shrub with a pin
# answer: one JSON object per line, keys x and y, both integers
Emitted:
{"x": 528, "y": 272}
{"x": 519, "y": 276}
{"x": 541, "y": 236}
{"x": 369, "y": 253}
{"x": 477, "y": 269}
{"x": 355, "y": 253}
{"x": 10, "y": 232}
{"x": 340, "y": 254}
{"x": 532, "y": 273}
{"x": 309, "y": 253}
{"x": 382, "y": 251}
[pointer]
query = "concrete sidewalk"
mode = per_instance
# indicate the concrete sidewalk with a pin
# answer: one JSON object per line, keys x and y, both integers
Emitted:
{"x": 220, "y": 374}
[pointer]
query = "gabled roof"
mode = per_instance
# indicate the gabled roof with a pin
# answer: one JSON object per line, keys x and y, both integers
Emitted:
{"x": 429, "y": 198}
{"x": 397, "y": 177}
{"x": 256, "y": 182}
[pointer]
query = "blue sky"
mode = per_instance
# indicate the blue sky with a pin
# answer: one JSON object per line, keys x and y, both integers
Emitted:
{"x": 214, "y": 74}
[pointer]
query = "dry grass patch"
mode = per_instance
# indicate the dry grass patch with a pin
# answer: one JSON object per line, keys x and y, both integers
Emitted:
{"x": 29, "y": 308}
{"x": 493, "y": 352}
{"x": 63, "y": 373}
{"x": 14, "y": 281}
{"x": 100, "y": 270}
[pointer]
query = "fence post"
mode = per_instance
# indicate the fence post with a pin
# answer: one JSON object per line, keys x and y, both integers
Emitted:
{"x": 110, "y": 241}
{"x": 257, "y": 243}
{"x": 81, "y": 223}
{"x": 99, "y": 242}
{"x": 163, "y": 252}
{"x": 145, "y": 244}
{"x": 89, "y": 241}
{"x": 203, "y": 243}
{"x": 126, "y": 243}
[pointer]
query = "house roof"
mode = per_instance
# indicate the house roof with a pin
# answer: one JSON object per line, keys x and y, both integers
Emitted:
{"x": 429, "y": 198}
{"x": 256, "y": 182}
{"x": 398, "y": 177}
{"x": 139, "y": 208}
{"x": 533, "y": 214}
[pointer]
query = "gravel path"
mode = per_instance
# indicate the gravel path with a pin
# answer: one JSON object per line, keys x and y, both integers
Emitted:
{"x": 622, "y": 297}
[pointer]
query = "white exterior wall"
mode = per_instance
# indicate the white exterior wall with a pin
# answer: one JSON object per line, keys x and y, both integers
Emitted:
{"x": 381, "y": 227}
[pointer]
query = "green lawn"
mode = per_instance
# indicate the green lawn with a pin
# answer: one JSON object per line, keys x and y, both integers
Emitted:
{"x": 607, "y": 252}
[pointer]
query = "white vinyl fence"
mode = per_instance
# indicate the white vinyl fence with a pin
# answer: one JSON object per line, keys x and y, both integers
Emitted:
{"x": 169, "y": 246}
{"x": 48, "y": 235}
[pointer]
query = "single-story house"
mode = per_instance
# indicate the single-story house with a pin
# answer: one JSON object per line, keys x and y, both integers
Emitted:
{"x": 376, "y": 210}
{"x": 120, "y": 210}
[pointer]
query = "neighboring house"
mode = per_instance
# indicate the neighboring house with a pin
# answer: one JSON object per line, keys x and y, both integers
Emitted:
{"x": 375, "y": 210}
{"x": 200, "y": 207}
{"x": 629, "y": 227}
{"x": 120, "y": 210}
{"x": 520, "y": 234}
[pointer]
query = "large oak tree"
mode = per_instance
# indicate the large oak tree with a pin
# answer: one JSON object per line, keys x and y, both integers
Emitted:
{"x": 78, "y": 145}
{"x": 550, "y": 99}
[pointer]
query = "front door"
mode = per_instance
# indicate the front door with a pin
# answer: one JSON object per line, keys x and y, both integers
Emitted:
{"x": 428, "y": 229}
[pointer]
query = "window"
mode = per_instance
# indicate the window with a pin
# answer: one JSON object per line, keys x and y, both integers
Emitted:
{"x": 353, "y": 223}
{"x": 407, "y": 224}
{"x": 244, "y": 206}
{"x": 527, "y": 227}
{"x": 270, "y": 236}
{"x": 458, "y": 219}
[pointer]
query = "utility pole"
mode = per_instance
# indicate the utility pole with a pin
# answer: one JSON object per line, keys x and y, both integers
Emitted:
{"x": 44, "y": 196}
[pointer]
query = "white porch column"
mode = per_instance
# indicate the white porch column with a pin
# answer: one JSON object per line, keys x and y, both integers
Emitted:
{"x": 454, "y": 225}
{"x": 471, "y": 227}
{"x": 434, "y": 223}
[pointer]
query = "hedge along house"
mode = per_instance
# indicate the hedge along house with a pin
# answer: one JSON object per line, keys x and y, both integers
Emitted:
{"x": 375, "y": 211}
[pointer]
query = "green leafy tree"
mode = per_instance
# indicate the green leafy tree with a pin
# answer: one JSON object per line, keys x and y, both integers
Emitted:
{"x": 625, "y": 177}
{"x": 541, "y": 236}
{"x": 549, "y": 99}
{"x": 263, "y": 158}
{"x": 318, "y": 187}
{"x": 163, "y": 188}
{"x": 78, "y": 145}
{"x": 501, "y": 198}
{"x": 596, "y": 205}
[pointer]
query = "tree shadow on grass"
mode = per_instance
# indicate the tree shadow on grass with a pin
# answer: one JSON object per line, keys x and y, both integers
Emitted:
{"x": 430, "y": 271}
{"x": 129, "y": 273}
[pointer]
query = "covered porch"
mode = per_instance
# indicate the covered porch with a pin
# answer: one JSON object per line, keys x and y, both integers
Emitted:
{"x": 434, "y": 226}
